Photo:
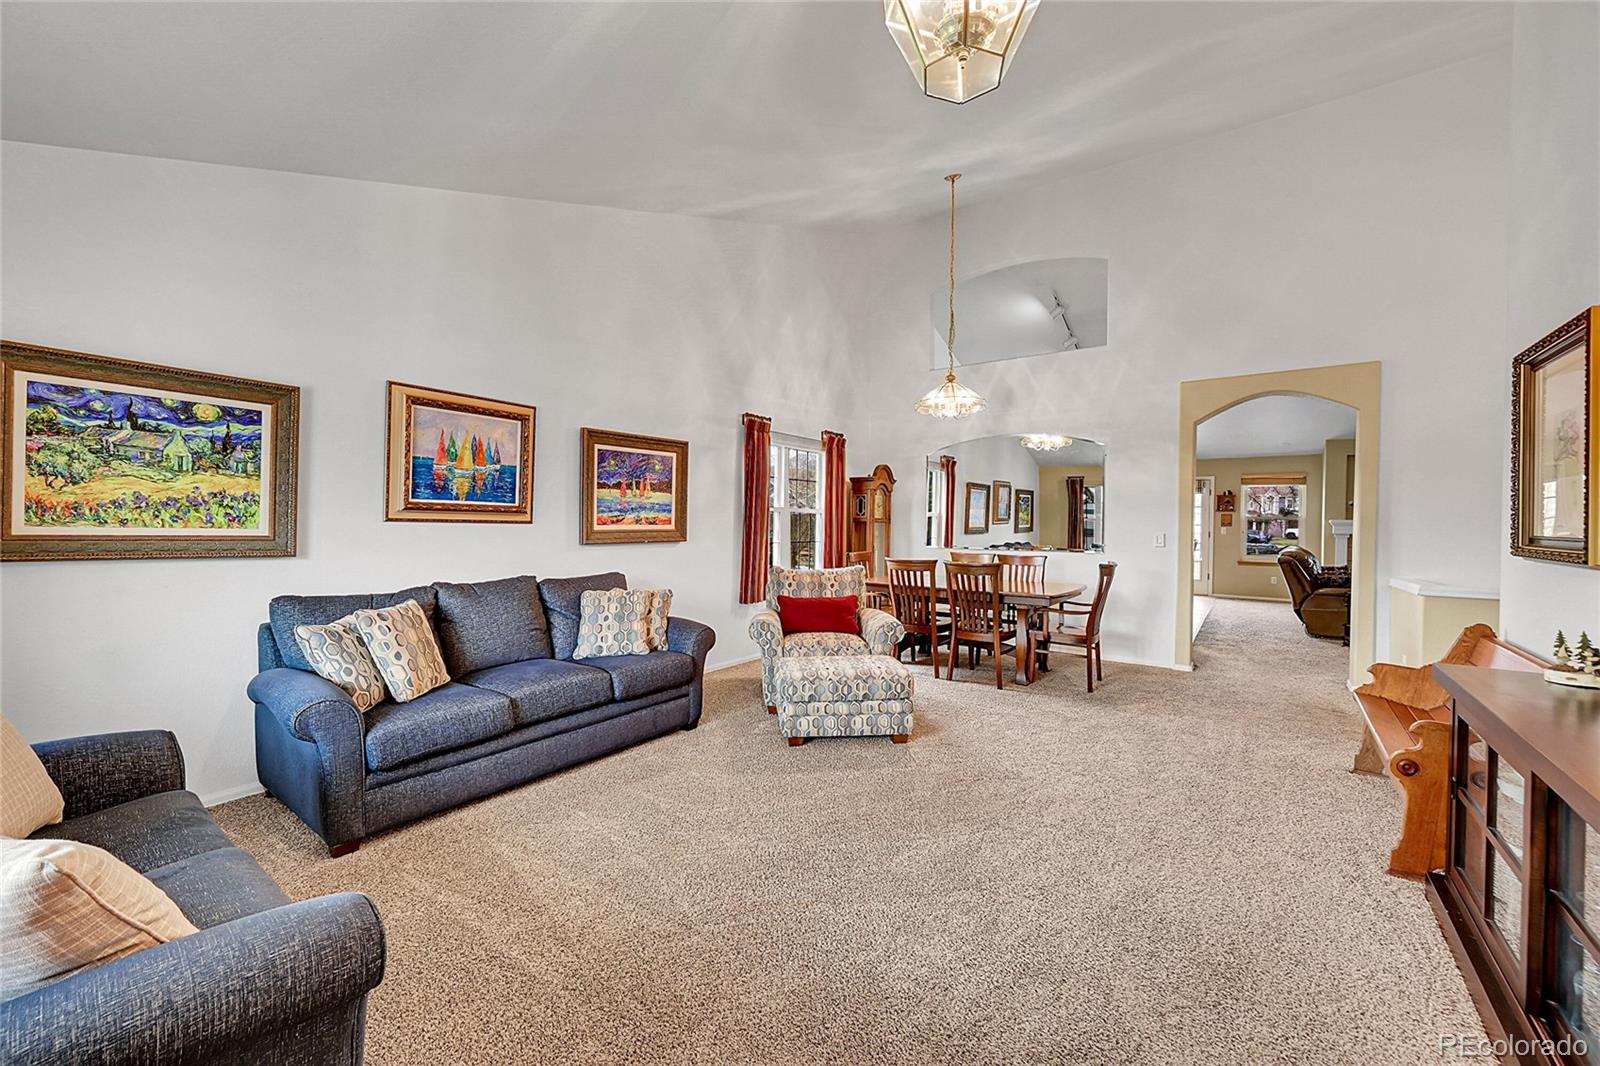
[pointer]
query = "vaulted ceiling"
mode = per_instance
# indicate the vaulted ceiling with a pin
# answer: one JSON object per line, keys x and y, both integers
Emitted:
{"x": 777, "y": 112}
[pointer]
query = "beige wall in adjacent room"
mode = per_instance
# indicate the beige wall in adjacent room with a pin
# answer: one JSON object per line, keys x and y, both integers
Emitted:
{"x": 1231, "y": 575}
{"x": 1338, "y": 494}
{"x": 1422, "y": 627}
{"x": 1050, "y": 507}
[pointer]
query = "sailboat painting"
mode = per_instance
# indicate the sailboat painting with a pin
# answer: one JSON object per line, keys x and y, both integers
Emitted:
{"x": 458, "y": 458}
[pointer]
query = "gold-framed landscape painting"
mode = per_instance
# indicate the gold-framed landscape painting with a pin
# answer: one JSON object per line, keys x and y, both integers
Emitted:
{"x": 110, "y": 458}
{"x": 453, "y": 457}
{"x": 635, "y": 488}
{"x": 1022, "y": 507}
{"x": 1001, "y": 501}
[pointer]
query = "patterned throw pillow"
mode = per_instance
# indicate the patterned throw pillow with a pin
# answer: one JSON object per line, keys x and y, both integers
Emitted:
{"x": 337, "y": 652}
{"x": 29, "y": 798}
{"x": 614, "y": 622}
{"x": 402, "y": 645}
{"x": 656, "y": 620}
{"x": 65, "y": 905}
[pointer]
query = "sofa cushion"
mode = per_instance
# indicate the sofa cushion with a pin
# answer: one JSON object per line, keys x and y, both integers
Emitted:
{"x": 147, "y": 832}
{"x": 490, "y": 623}
{"x": 633, "y": 676}
{"x": 541, "y": 689}
{"x": 451, "y": 716}
{"x": 65, "y": 905}
{"x": 31, "y": 797}
{"x": 218, "y": 886}
{"x": 563, "y": 605}
{"x": 286, "y": 612}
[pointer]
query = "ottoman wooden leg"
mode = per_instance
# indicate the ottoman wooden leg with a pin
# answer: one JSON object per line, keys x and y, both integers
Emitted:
{"x": 900, "y": 738}
{"x": 771, "y": 709}
{"x": 795, "y": 742}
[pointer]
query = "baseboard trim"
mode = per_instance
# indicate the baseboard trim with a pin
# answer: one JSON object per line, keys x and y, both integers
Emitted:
{"x": 730, "y": 664}
{"x": 1252, "y": 599}
{"x": 228, "y": 795}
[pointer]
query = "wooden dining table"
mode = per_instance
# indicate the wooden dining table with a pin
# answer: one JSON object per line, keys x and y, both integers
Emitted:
{"x": 1026, "y": 600}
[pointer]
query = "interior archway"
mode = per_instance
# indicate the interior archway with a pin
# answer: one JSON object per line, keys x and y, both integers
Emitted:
{"x": 1356, "y": 385}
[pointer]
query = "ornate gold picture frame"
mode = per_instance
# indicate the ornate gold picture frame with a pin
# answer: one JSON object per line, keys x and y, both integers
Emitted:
{"x": 457, "y": 458}
{"x": 1555, "y": 453}
{"x": 114, "y": 459}
{"x": 635, "y": 488}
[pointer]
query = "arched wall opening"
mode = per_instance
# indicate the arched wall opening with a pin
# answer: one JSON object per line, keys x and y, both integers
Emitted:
{"x": 1356, "y": 385}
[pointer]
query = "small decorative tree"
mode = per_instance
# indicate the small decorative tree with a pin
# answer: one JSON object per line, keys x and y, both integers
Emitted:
{"x": 1587, "y": 659}
{"x": 1561, "y": 651}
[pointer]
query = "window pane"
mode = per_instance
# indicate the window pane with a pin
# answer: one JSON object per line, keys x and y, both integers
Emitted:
{"x": 802, "y": 481}
{"x": 802, "y": 541}
{"x": 1271, "y": 518}
{"x": 774, "y": 477}
{"x": 1577, "y": 983}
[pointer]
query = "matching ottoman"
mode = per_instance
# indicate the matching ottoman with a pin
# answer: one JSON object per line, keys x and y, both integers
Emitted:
{"x": 843, "y": 696}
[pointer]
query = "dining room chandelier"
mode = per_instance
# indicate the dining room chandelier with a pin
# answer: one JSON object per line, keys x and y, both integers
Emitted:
{"x": 951, "y": 399}
{"x": 958, "y": 49}
{"x": 1045, "y": 442}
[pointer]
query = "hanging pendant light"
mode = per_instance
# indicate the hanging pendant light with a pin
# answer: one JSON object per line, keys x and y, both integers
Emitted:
{"x": 958, "y": 49}
{"x": 951, "y": 399}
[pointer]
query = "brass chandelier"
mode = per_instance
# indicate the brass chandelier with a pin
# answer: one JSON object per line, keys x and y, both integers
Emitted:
{"x": 951, "y": 399}
{"x": 958, "y": 49}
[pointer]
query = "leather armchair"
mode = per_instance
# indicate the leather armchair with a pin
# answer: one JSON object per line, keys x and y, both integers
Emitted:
{"x": 1321, "y": 595}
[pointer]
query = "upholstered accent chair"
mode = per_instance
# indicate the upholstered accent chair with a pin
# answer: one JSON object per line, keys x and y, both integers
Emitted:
{"x": 1320, "y": 594}
{"x": 880, "y": 631}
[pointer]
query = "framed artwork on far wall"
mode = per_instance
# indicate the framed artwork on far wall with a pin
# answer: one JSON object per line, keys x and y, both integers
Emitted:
{"x": 111, "y": 459}
{"x": 635, "y": 489}
{"x": 1023, "y": 508}
{"x": 1001, "y": 501}
{"x": 1555, "y": 450}
{"x": 977, "y": 508}
{"x": 457, "y": 458}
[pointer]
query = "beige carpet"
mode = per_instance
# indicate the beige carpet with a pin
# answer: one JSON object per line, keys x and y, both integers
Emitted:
{"x": 1177, "y": 869}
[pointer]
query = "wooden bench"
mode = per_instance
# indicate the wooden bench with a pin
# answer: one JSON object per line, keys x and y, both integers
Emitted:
{"x": 1407, "y": 733}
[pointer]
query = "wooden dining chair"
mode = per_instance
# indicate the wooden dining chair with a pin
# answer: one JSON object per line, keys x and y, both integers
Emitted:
{"x": 976, "y": 616}
{"x": 914, "y": 599}
{"x": 877, "y": 600}
{"x": 971, "y": 557}
{"x": 1087, "y": 638}
{"x": 1020, "y": 573}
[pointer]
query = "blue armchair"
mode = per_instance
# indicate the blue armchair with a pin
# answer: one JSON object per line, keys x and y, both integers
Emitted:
{"x": 264, "y": 980}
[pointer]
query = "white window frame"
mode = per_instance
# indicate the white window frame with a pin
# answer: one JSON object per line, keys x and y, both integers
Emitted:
{"x": 781, "y": 510}
{"x": 935, "y": 488}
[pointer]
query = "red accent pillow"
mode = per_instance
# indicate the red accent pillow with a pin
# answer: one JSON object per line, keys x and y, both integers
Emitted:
{"x": 819, "y": 614}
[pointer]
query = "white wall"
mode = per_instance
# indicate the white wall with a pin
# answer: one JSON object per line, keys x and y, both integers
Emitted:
{"x": 985, "y": 462}
{"x": 1371, "y": 227}
{"x": 650, "y": 323}
{"x": 1555, "y": 265}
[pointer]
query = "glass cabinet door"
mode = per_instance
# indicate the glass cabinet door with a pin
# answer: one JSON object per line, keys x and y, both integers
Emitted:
{"x": 1573, "y": 914}
{"x": 1490, "y": 811}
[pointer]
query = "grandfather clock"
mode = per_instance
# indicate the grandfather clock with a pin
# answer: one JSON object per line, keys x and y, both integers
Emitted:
{"x": 871, "y": 507}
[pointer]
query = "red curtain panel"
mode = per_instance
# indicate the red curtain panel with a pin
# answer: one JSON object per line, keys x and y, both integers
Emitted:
{"x": 753, "y": 557}
{"x": 836, "y": 498}
{"x": 1075, "y": 515}
{"x": 947, "y": 467}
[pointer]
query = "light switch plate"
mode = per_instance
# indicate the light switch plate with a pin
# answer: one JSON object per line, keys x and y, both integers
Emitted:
{"x": 1161, "y": 540}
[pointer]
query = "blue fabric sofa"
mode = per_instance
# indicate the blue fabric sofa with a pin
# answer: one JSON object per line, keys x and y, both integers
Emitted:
{"x": 517, "y": 707}
{"x": 263, "y": 981}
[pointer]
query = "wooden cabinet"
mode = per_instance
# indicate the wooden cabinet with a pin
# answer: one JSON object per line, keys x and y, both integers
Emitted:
{"x": 871, "y": 516}
{"x": 1519, "y": 898}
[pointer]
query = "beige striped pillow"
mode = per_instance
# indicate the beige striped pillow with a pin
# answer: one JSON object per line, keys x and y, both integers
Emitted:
{"x": 402, "y": 645}
{"x": 29, "y": 799}
{"x": 66, "y": 905}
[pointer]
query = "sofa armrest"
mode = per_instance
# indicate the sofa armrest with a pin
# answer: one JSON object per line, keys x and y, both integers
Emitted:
{"x": 691, "y": 638}
{"x": 881, "y": 630}
{"x": 767, "y": 632}
{"x": 310, "y": 707}
{"x": 210, "y": 996}
{"x": 100, "y": 771}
